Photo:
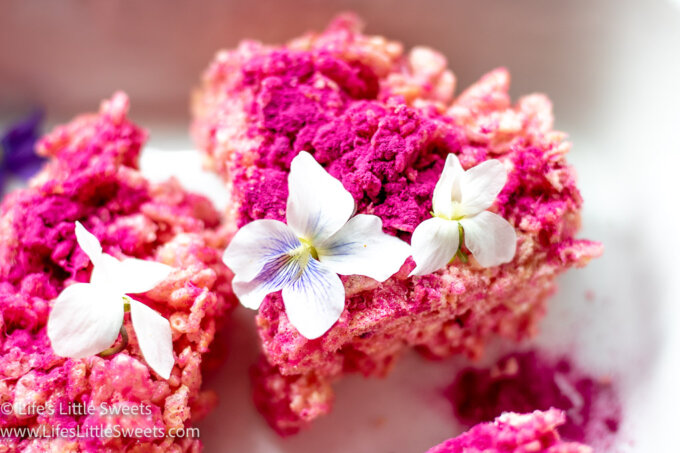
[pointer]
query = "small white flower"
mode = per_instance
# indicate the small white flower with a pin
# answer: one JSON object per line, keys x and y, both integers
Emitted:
{"x": 86, "y": 317}
{"x": 304, "y": 256}
{"x": 459, "y": 206}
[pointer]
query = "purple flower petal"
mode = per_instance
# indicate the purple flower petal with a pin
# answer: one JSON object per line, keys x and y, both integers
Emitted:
{"x": 18, "y": 147}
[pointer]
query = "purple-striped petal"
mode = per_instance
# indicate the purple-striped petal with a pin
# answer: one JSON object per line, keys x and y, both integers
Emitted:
{"x": 315, "y": 300}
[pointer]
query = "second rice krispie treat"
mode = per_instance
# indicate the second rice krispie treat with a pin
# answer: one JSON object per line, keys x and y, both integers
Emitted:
{"x": 478, "y": 186}
{"x": 86, "y": 231}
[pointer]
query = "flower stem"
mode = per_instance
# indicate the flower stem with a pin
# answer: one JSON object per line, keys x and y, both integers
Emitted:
{"x": 460, "y": 254}
{"x": 119, "y": 347}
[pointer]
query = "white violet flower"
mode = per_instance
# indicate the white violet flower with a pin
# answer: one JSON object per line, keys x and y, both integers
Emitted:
{"x": 304, "y": 256}
{"x": 87, "y": 317}
{"x": 459, "y": 204}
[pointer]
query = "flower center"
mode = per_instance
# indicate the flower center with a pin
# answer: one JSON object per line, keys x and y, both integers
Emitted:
{"x": 456, "y": 210}
{"x": 308, "y": 248}
{"x": 455, "y": 213}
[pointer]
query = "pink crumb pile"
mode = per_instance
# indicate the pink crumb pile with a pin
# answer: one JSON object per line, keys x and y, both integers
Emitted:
{"x": 535, "y": 432}
{"x": 92, "y": 177}
{"x": 527, "y": 381}
{"x": 382, "y": 120}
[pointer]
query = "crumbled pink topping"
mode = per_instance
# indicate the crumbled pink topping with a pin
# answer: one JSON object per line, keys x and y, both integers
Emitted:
{"x": 514, "y": 433}
{"x": 92, "y": 177}
{"x": 528, "y": 381}
{"x": 382, "y": 121}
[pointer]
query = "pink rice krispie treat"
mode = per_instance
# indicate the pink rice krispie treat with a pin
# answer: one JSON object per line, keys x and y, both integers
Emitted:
{"x": 514, "y": 433}
{"x": 382, "y": 121}
{"x": 93, "y": 177}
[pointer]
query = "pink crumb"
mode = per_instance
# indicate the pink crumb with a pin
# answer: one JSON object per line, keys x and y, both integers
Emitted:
{"x": 535, "y": 432}
{"x": 529, "y": 381}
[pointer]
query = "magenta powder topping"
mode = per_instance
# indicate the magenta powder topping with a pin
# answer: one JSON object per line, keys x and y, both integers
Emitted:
{"x": 382, "y": 121}
{"x": 92, "y": 176}
{"x": 534, "y": 432}
{"x": 528, "y": 381}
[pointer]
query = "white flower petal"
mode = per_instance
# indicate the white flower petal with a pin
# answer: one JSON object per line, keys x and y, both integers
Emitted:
{"x": 130, "y": 275}
{"x": 447, "y": 189}
{"x": 481, "y": 185}
{"x": 84, "y": 321}
{"x": 154, "y": 337}
{"x": 251, "y": 293}
{"x": 434, "y": 243}
{"x": 361, "y": 248}
{"x": 490, "y": 238}
{"x": 315, "y": 301}
{"x": 88, "y": 242}
{"x": 275, "y": 275}
{"x": 136, "y": 276}
{"x": 256, "y": 244}
{"x": 104, "y": 273}
{"x": 318, "y": 205}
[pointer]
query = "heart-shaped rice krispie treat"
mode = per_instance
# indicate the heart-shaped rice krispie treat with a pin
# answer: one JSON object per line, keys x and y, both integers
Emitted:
{"x": 92, "y": 177}
{"x": 383, "y": 122}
